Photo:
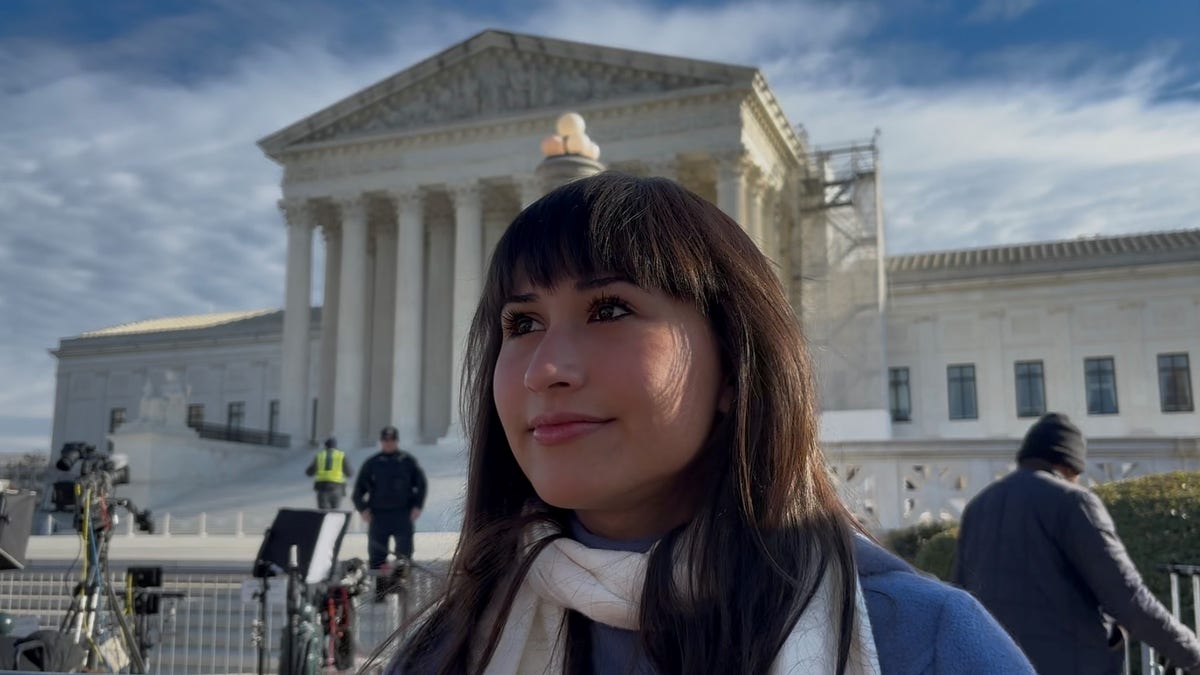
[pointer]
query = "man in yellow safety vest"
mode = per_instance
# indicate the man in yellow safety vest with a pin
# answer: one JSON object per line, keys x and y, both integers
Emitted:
{"x": 330, "y": 469}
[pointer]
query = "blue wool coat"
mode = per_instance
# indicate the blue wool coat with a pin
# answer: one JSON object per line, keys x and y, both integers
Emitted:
{"x": 920, "y": 625}
{"x": 924, "y": 626}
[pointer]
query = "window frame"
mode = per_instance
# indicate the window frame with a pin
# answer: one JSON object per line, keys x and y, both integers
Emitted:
{"x": 1100, "y": 374}
{"x": 1182, "y": 376}
{"x": 116, "y": 417}
{"x": 238, "y": 407}
{"x": 894, "y": 385}
{"x": 956, "y": 375}
{"x": 1019, "y": 379}
{"x": 196, "y": 411}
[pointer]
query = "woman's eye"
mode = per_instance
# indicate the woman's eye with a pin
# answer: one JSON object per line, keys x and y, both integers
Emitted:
{"x": 609, "y": 310}
{"x": 519, "y": 324}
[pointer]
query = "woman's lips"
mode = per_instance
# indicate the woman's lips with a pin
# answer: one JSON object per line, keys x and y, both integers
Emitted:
{"x": 565, "y": 431}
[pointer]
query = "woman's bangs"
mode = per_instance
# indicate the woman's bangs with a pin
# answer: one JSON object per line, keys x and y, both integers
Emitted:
{"x": 626, "y": 227}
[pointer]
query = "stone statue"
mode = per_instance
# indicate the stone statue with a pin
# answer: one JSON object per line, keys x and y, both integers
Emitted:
{"x": 175, "y": 393}
{"x": 168, "y": 405}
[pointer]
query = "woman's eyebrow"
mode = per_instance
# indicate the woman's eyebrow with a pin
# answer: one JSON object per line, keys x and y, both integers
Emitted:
{"x": 583, "y": 285}
{"x": 520, "y": 298}
{"x": 601, "y": 282}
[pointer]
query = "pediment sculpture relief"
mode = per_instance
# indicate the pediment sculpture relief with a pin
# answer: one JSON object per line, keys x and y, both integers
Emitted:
{"x": 496, "y": 82}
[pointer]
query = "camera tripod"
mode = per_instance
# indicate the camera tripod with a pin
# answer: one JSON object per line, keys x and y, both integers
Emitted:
{"x": 95, "y": 619}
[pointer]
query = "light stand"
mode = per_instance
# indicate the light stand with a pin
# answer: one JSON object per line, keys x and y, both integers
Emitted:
{"x": 304, "y": 544}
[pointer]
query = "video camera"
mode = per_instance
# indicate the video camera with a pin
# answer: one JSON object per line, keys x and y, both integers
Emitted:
{"x": 91, "y": 461}
{"x": 99, "y": 473}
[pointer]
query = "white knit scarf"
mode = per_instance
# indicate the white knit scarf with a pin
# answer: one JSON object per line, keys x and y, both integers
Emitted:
{"x": 606, "y": 586}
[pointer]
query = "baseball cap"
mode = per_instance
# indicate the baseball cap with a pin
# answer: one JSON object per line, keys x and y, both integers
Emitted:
{"x": 389, "y": 433}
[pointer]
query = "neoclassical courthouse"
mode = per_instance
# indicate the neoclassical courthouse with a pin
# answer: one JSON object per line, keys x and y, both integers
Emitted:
{"x": 409, "y": 183}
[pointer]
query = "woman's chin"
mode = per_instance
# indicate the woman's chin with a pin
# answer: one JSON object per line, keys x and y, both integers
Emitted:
{"x": 572, "y": 497}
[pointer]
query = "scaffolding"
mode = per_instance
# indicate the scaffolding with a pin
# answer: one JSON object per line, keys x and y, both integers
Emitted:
{"x": 840, "y": 285}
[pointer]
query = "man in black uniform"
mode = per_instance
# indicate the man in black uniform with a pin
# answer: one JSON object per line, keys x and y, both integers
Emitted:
{"x": 389, "y": 495}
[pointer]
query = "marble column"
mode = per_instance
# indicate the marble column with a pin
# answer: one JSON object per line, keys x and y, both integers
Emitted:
{"x": 468, "y": 273}
{"x": 348, "y": 381}
{"x": 667, "y": 167}
{"x": 732, "y": 173}
{"x": 380, "y": 368}
{"x": 293, "y": 393}
{"x": 755, "y": 203}
{"x": 410, "y": 290}
{"x": 329, "y": 322}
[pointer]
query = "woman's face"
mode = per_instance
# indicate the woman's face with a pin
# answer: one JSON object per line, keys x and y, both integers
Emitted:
{"x": 606, "y": 392}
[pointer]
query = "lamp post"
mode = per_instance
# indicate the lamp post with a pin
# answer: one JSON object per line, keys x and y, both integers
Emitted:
{"x": 569, "y": 154}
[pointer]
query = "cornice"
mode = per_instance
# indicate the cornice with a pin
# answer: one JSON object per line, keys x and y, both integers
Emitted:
{"x": 770, "y": 115}
{"x": 1015, "y": 278}
{"x": 258, "y": 339}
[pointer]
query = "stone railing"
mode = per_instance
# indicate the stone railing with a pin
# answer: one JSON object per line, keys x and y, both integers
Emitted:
{"x": 888, "y": 484}
{"x": 895, "y": 483}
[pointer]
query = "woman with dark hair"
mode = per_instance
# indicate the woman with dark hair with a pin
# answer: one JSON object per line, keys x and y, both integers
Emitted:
{"x": 645, "y": 491}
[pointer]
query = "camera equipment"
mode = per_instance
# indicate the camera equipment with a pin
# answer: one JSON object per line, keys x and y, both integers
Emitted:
{"x": 303, "y": 544}
{"x": 95, "y": 620}
{"x": 91, "y": 461}
{"x": 335, "y": 603}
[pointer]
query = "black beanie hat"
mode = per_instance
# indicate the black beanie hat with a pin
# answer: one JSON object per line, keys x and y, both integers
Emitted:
{"x": 1055, "y": 439}
{"x": 331, "y": 442}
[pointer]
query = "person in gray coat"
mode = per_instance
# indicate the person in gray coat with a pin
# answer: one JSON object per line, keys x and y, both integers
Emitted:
{"x": 1043, "y": 556}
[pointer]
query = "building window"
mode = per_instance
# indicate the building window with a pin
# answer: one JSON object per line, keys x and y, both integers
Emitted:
{"x": 273, "y": 416}
{"x": 961, "y": 382}
{"x": 116, "y": 417}
{"x": 899, "y": 400}
{"x": 1101, "y": 377}
{"x": 195, "y": 415}
{"x": 237, "y": 415}
{"x": 1174, "y": 383}
{"x": 1031, "y": 389}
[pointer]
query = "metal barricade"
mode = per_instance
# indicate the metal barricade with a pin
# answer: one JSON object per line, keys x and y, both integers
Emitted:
{"x": 206, "y": 621}
{"x": 1177, "y": 573}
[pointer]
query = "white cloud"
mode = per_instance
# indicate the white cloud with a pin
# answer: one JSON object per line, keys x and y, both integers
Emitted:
{"x": 125, "y": 197}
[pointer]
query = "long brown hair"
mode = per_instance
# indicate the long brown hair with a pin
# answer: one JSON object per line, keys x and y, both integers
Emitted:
{"x": 769, "y": 524}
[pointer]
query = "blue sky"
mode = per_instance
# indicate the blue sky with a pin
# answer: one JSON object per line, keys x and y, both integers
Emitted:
{"x": 131, "y": 187}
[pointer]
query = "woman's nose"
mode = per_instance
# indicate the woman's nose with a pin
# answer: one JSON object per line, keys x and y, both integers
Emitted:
{"x": 556, "y": 363}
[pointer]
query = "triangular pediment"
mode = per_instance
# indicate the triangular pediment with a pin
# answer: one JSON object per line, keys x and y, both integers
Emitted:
{"x": 498, "y": 74}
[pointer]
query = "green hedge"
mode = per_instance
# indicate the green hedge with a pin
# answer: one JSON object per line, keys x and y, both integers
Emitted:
{"x": 937, "y": 555}
{"x": 907, "y": 542}
{"x": 1158, "y": 518}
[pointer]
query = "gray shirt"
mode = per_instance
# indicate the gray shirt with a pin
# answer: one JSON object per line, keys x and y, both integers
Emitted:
{"x": 615, "y": 651}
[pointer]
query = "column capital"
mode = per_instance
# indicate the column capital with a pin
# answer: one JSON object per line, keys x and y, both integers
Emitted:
{"x": 297, "y": 212}
{"x": 733, "y": 163}
{"x": 405, "y": 198}
{"x": 466, "y": 193}
{"x": 352, "y": 206}
{"x": 666, "y": 167}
